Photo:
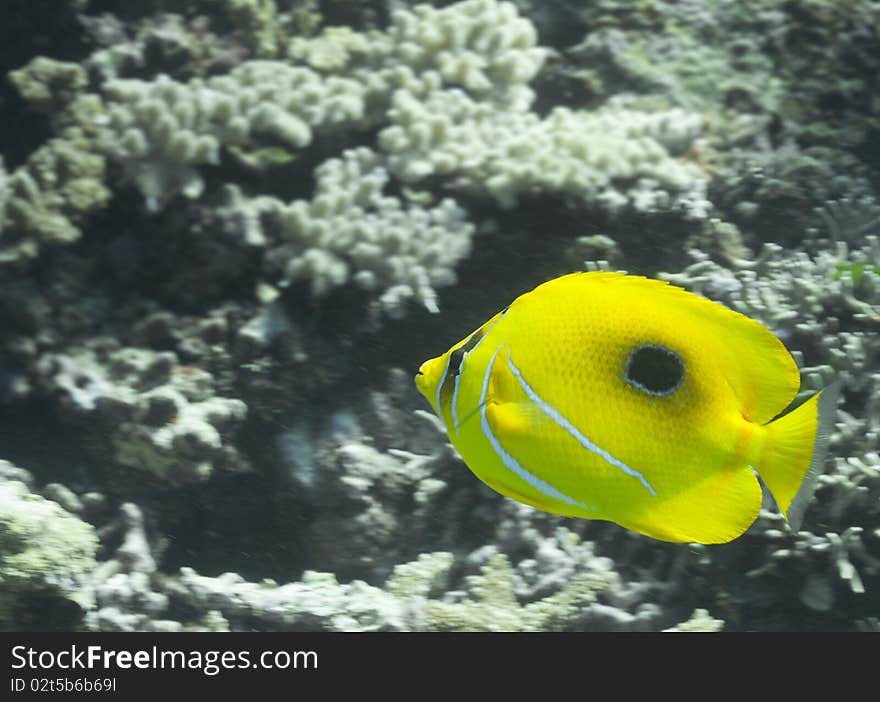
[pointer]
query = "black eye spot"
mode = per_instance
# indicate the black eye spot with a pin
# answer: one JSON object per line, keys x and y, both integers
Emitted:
{"x": 654, "y": 369}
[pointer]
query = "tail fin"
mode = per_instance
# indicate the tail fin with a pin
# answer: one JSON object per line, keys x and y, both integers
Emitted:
{"x": 795, "y": 452}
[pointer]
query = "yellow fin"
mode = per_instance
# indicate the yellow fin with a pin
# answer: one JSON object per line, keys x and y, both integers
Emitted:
{"x": 794, "y": 452}
{"x": 714, "y": 511}
{"x": 512, "y": 420}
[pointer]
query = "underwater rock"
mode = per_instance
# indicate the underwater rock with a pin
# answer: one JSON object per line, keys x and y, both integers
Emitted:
{"x": 700, "y": 620}
{"x": 46, "y": 554}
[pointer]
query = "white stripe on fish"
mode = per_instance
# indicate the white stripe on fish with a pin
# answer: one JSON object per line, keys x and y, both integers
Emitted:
{"x": 509, "y": 461}
{"x": 565, "y": 424}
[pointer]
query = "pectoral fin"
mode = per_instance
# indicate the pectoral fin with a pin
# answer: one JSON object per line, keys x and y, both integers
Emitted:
{"x": 511, "y": 425}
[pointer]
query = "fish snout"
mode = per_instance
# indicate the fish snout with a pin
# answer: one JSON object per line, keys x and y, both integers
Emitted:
{"x": 428, "y": 377}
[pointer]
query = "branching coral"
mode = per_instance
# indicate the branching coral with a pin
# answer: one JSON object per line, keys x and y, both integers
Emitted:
{"x": 406, "y": 603}
{"x": 157, "y": 414}
{"x": 828, "y": 304}
{"x": 352, "y": 231}
{"x": 357, "y": 165}
{"x": 46, "y": 200}
{"x": 161, "y": 131}
{"x": 612, "y": 158}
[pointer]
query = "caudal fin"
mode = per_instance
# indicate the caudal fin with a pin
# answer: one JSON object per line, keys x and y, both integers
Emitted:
{"x": 794, "y": 453}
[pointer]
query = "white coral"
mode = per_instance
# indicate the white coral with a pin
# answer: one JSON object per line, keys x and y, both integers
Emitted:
{"x": 351, "y": 230}
{"x": 161, "y": 131}
{"x": 449, "y": 87}
{"x": 612, "y": 157}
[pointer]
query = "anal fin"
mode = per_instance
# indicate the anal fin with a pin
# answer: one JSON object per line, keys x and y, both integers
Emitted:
{"x": 713, "y": 511}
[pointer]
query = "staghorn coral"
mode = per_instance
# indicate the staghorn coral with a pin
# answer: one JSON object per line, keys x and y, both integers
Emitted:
{"x": 849, "y": 216}
{"x": 812, "y": 299}
{"x": 827, "y": 564}
{"x": 828, "y": 304}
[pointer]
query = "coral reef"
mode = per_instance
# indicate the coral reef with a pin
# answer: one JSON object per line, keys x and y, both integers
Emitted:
{"x": 828, "y": 304}
{"x": 45, "y": 200}
{"x": 785, "y": 88}
{"x": 157, "y": 414}
{"x": 351, "y": 230}
{"x": 160, "y": 131}
{"x": 45, "y": 552}
{"x": 230, "y": 231}
{"x": 319, "y": 602}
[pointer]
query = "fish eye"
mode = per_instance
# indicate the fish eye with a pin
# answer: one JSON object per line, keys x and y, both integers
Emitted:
{"x": 654, "y": 369}
{"x": 455, "y": 359}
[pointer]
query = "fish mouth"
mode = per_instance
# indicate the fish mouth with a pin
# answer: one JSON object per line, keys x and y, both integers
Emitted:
{"x": 421, "y": 380}
{"x": 428, "y": 377}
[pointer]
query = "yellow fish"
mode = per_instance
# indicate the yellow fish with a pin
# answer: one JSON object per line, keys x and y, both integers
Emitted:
{"x": 617, "y": 397}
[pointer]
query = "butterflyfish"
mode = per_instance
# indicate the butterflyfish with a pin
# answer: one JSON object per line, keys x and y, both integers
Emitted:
{"x": 616, "y": 397}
